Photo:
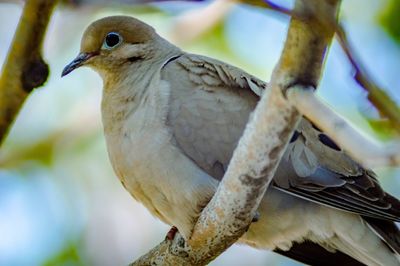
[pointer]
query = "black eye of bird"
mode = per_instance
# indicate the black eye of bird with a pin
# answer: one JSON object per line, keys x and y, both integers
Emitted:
{"x": 112, "y": 39}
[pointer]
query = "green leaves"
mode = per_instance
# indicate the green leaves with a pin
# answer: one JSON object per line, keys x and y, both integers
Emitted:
{"x": 390, "y": 19}
{"x": 68, "y": 256}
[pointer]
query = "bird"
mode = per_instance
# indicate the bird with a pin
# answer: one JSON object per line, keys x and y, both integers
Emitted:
{"x": 171, "y": 122}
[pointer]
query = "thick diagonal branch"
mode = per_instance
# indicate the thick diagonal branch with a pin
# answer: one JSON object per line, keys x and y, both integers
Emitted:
{"x": 24, "y": 68}
{"x": 229, "y": 213}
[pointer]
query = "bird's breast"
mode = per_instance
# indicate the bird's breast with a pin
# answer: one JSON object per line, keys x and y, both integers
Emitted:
{"x": 133, "y": 155}
{"x": 135, "y": 134}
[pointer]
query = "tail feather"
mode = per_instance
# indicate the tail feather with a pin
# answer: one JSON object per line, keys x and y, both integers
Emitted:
{"x": 312, "y": 253}
{"x": 387, "y": 231}
{"x": 357, "y": 252}
{"x": 371, "y": 241}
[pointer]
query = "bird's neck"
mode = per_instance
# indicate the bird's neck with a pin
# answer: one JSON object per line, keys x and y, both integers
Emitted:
{"x": 122, "y": 96}
{"x": 135, "y": 87}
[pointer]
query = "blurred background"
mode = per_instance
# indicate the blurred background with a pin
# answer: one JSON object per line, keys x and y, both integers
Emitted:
{"x": 61, "y": 203}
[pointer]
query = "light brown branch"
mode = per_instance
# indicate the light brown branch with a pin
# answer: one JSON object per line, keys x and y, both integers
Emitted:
{"x": 229, "y": 213}
{"x": 24, "y": 68}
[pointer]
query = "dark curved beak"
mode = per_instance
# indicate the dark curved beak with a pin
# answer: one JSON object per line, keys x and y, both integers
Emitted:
{"x": 77, "y": 62}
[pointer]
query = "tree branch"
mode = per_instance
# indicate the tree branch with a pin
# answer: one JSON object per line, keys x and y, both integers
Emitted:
{"x": 377, "y": 96}
{"x": 194, "y": 23}
{"x": 365, "y": 151}
{"x": 24, "y": 68}
{"x": 229, "y": 213}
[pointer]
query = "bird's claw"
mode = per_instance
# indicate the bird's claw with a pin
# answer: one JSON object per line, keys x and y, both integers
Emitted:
{"x": 171, "y": 233}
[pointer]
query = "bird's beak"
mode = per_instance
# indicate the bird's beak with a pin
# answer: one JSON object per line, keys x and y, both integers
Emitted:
{"x": 77, "y": 62}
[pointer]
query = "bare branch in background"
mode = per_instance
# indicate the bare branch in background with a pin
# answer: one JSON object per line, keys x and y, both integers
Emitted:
{"x": 387, "y": 108}
{"x": 376, "y": 95}
{"x": 24, "y": 68}
{"x": 229, "y": 213}
{"x": 269, "y": 5}
{"x": 192, "y": 24}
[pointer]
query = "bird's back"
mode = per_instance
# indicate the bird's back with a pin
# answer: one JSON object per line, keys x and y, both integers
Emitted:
{"x": 209, "y": 107}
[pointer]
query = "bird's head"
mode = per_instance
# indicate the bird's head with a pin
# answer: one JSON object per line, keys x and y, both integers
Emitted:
{"x": 113, "y": 42}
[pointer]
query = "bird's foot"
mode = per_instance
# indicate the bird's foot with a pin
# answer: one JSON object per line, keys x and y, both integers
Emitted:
{"x": 171, "y": 233}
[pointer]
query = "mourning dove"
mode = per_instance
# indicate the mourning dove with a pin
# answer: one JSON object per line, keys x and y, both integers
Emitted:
{"x": 171, "y": 122}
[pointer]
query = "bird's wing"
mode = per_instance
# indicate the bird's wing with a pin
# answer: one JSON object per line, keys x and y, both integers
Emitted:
{"x": 315, "y": 168}
{"x": 210, "y": 103}
{"x": 209, "y": 106}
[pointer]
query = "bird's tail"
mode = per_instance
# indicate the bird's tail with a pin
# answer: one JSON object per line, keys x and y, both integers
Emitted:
{"x": 371, "y": 241}
{"x": 387, "y": 231}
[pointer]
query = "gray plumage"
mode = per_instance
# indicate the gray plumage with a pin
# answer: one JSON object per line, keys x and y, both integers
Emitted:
{"x": 171, "y": 122}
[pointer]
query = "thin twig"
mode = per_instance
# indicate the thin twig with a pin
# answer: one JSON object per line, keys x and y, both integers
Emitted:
{"x": 269, "y": 5}
{"x": 377, "y": 96}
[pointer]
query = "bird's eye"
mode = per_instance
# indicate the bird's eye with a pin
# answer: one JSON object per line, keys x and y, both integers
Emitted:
{"x": 112, "y": 39}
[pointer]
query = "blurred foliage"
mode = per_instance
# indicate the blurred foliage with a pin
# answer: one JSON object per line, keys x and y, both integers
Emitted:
{"x": 41, "y": 151}
{"x": 390, "y": 19}
{"x": 383, "y": 128}
{"x": 67, "y": 257}
{"x": 68, "y": 141}
{"x": 215, "y": 38}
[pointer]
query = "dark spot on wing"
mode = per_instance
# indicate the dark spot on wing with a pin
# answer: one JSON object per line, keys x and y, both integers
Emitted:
{"x": 315, "y": 127}
{"x": 262, "y": 85}
{"x": 328, "y": 141}
{"x": 295, "y": 136}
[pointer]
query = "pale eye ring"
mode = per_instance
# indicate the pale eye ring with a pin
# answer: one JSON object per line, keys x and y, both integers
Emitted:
{"x": 112, "y": 40}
